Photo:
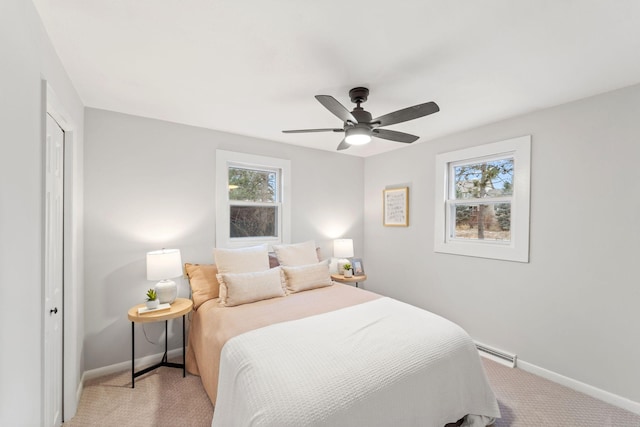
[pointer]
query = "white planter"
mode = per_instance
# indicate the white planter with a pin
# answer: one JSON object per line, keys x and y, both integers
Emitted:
{"x": 348, "y": 273}
{"x": 152, "y": 305}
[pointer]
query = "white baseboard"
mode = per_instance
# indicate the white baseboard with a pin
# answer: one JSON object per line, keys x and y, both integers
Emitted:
{"x": 123, "y": 366}
{"x": 80, "y": 389}
{"x": 70, "y": 408}
{"x": 576, "y": 385}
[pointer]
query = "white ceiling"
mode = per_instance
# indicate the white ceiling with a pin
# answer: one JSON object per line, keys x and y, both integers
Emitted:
{"x": 253, "y": 67}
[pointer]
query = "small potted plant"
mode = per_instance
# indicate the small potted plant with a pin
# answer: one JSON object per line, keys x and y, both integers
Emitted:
{"x": 347, "y": 270}
{"x": 152, "y": 299}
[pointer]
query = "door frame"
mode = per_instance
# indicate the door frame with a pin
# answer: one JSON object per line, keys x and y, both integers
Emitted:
{"x": 72, "y": 307}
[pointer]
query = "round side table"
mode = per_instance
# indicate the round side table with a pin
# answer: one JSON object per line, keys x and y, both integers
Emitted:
{"x": 353, "y": 279}
{"x": 180, "y": 307}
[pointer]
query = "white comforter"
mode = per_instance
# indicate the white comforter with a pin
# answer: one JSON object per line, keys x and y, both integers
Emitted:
{"x": 380, "y": 363}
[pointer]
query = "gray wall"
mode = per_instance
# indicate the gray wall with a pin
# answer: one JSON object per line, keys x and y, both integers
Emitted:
{"x": 27, "y": 58}
{"x": 150, "y": 184}
{"x": 574, "y": 308}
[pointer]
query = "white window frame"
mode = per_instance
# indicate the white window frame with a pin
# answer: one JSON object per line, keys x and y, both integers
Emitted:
{"x": 517, "y": 249}
{"x": 226, "y": 159}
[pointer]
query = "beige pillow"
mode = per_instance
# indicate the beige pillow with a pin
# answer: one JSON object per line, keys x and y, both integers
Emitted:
{"x": 305, "y": 277}
{"x": 273, "y": 259}
{"x": 242, "y": 260}
{"x": 243, "y": 288}
{"x": 296, "y": 254}
{"x": 203, "y": 282}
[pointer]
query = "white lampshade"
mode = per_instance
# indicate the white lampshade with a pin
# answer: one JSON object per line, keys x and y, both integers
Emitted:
{"x": 343, "y": 248}
{"x": 164, "y": 265}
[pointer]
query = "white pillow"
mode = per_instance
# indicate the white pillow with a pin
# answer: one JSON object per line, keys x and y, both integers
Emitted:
{"x": 305, "y": 277}
{"x": 242, "y": 260}
{"x": 243, "y": 288}
{"x": 296, "y": 254}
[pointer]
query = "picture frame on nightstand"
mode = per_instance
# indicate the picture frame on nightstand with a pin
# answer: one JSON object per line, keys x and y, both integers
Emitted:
{"x": 357, "y": 266}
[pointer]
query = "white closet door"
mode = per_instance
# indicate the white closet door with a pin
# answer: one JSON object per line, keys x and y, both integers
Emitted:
{"x": 53, "y": 288}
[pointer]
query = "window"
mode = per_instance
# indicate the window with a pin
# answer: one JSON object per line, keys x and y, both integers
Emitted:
{"x": 482, "y": 201}
{"x": 252, "y": 200}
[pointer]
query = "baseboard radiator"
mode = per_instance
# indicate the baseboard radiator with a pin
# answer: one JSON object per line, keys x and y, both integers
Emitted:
{"x": 496, "y": 355}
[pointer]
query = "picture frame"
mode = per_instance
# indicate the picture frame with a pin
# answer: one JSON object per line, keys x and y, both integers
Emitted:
{"x": 395, "y": 207}
{"x": 357, "y": 266}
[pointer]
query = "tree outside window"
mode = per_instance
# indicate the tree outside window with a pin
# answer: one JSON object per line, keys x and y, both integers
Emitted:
{"x": 253, "y": 196}
{"x": 484, "y": 191}
{"x": 253, "y": 200}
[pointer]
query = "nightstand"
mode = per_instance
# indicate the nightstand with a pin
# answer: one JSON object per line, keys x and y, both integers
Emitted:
{"x": 353, "y": 279}
{"x": 180, "y": 307}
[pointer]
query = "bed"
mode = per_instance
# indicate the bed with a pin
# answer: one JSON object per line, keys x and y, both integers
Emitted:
{"x": 329, "y": 355}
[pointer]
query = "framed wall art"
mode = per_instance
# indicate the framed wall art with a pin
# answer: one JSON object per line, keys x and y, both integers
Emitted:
{"x": 395, "y": 207}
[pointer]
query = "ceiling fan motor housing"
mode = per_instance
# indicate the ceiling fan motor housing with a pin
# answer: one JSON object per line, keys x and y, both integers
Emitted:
{"x": 362, "y": 116}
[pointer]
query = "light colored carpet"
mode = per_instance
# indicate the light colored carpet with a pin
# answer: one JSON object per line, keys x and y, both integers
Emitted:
{"x": 163, "y": 398}
{"x": 529, "y": 400}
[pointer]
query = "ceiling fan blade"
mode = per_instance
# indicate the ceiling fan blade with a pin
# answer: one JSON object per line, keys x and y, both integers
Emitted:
{"x": 393, "y": 135}
{"x": 407, "y": 114}
{"x": 343, "y": 145}
{"x": 339, "y": 110}
{"x": 313, "y": 130}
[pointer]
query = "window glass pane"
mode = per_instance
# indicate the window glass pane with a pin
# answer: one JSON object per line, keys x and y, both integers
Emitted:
{"x": 253, "y": 221}
{"x": 482, "y": 222}
{"x": 481, "y": 180}
{"x": 252, "y": 185}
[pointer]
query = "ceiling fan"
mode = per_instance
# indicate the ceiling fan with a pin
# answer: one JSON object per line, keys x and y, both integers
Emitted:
{"x": 359, "y": 126}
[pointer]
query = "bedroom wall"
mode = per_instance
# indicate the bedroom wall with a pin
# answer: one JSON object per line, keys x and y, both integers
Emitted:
{"x": 150, "y": 184}
{"x": 573, "y": 309}
{"x": 27, "y": 59}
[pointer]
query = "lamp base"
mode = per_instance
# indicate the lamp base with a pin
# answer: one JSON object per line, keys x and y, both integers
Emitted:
{"x": 341, "y": 263}
{"x": 167, "y": 291}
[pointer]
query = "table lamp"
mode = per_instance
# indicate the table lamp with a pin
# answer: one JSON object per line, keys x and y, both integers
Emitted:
{"x": 342, "y": 249}
{"x": 163, "y": 265}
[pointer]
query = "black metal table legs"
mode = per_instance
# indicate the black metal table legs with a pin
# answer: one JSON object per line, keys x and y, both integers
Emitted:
{"x": 164, "y": 361}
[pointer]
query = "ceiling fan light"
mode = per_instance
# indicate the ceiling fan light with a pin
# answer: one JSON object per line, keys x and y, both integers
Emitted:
{"x": 358, "y": 139}
{"x": 357, "y": 136}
